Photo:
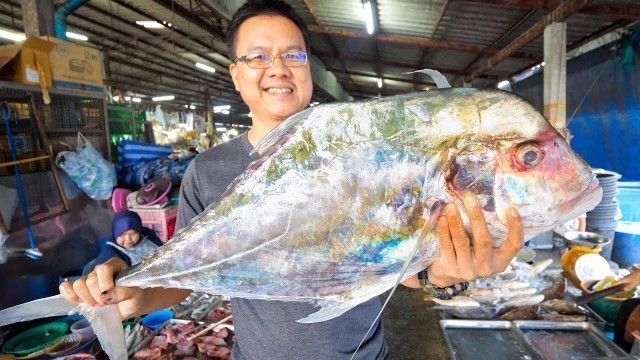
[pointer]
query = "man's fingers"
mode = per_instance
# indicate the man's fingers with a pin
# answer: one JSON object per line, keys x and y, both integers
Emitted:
{"x": 447, "y": 252}
{"x": 66, "y": 290}
{"x": 514, "y": 242}
{"x": 459, "y": 237}
{"x": 482, "y": 250}
{"x": 118, "y": 294}
{"x": 106, "y": 273}
{"x": 81, "y": 290}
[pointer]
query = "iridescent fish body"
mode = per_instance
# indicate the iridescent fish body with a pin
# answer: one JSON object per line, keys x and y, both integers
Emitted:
{"x": 344, "y": 192}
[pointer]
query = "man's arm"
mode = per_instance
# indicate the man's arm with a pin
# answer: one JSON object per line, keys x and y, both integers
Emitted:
{"x": 98, "y": 288}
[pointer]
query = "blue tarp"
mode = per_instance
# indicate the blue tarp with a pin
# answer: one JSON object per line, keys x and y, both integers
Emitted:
{"x": 606, "y": 127}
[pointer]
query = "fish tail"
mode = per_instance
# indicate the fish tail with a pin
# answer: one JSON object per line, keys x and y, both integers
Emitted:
{"x": 105, "y": 322}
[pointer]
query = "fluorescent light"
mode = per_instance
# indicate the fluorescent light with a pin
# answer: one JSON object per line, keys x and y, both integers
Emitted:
{"x": 221, "y": 108}
{"x": 221, "y": 129}
{"x": 226, "y": 112}
{"x": 136, "y": 99}
{"x": 163, "y": 98}
{"x": 368, "y": 15}
{"x": 116, "y": 98}
{"x": 12, "y": 35}
{"x": 186, "y": 106}
{"x": 205, "y": 67}
{"x": 249, "y": 114}
{"x": 192, "y": 107}
{"x": 150, "y": 24}
{"x": 76, "y": 36}
{"x": 379, "y": 83}
{"x": 127, "y": 98}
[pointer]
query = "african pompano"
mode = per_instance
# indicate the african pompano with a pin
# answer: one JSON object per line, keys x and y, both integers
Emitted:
{"x": 346, "y": 193}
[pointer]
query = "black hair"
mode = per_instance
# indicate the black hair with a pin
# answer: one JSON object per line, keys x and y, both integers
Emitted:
{"x": 253, "y": 8}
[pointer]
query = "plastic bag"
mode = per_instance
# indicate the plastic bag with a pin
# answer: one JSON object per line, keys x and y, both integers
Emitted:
{"x": 90, "y": 171}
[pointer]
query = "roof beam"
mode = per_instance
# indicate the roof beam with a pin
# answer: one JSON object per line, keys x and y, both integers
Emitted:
{"x": 418, "y": 42}
{"x": 612, "y": 10}
{"x": 425, "y": 51}
{"x": 565, "y": 10}
{"x": 176, "y": 8}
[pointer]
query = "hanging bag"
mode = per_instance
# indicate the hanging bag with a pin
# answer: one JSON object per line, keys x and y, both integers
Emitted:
{"x": 91, "y": 172}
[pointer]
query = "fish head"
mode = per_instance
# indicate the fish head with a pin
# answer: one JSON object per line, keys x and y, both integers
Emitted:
{"x": 513, "y": 157}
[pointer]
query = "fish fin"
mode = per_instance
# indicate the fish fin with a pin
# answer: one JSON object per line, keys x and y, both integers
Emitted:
{"x": 37, "y": 309}
{"x": 328, "y": 311}
{"x": 107, "y": 325}
{"x": 106, "y": 322}
{"x": 440, "y": 80}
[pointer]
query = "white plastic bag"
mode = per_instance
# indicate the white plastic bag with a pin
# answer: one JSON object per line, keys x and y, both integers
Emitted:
{"x": 93, "y": 174}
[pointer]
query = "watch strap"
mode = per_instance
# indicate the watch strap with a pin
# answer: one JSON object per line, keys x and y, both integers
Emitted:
{"x": 444, "y": 293}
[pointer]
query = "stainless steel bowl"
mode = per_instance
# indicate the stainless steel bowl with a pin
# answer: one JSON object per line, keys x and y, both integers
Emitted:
{"x": 586, "y": 238}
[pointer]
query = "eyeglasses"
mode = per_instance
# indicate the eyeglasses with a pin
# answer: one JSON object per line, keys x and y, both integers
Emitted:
{"x": 263, "y": 60}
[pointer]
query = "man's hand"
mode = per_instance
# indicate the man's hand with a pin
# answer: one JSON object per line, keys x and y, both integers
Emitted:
{"x": 98, "y": 289}
{"x": 459, "y": 260}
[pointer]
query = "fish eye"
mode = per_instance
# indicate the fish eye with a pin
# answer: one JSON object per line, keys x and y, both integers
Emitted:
{"x": 529, "y": 156}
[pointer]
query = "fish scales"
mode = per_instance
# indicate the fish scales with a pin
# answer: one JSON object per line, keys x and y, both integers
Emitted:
{"x": 335, "y": 208}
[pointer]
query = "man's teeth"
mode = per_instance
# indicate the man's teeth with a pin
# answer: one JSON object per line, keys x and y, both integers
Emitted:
{"x": 278, "y": 91}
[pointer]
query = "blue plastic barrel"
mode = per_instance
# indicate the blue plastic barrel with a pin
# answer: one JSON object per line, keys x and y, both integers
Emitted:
{"x": 629, "y": 200}
{"x": 626, "y": 247}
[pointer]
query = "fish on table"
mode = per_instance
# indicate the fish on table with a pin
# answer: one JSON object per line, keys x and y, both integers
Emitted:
{"x": 347, "y": 195}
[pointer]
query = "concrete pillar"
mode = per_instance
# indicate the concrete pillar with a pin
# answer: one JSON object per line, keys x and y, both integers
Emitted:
{"x": 555, "y": 76}
{"x": 37, "y": 16}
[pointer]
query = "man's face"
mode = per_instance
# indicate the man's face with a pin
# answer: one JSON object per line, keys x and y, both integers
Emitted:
{"x": 275, "y": 93}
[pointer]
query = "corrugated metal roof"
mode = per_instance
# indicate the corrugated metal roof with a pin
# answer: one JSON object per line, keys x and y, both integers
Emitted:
{"x": 455, "y": 36}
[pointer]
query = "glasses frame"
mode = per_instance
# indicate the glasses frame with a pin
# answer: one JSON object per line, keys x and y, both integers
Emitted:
{"x": 272, "y": 59}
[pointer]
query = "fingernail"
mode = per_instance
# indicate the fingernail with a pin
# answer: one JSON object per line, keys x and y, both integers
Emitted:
{"x": 513, "y": 212}
{"x": 451, "y": 209}
{"x": 442, "y": 221}
{"x": 106, "y": 297}
{"x": 471, "y": 201}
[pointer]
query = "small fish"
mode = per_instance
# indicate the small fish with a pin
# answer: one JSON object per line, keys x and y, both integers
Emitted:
{"x": 348, "y": 195}
{"x": 458, "y": 301}
{"x": 541, "y": 266}
{"x": 522, "y": 301}
{"x": 562, "y": 307}
{"x": 523, "y": 313}
{"x": 557, "y": 290}
{"x": 514, "y": 284}
{"x": 519, "y": 292}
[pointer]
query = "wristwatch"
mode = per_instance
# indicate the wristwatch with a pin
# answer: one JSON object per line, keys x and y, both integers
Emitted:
{"x": 444, "y": 293}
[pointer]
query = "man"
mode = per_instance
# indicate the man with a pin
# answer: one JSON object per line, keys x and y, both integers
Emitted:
{"x": 269, "y": 42}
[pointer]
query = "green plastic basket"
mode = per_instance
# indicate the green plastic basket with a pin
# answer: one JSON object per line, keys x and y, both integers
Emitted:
{"x": 35, "y": 338}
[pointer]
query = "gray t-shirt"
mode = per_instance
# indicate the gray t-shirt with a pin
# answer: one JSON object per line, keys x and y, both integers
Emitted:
{"x": 268, "y": 329}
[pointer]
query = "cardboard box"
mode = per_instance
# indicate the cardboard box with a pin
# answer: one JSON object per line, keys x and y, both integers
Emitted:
{"x": 75, "y": 66}
{"x": 27, "y": 62}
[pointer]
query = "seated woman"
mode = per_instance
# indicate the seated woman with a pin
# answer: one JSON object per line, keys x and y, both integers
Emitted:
{"x": 131, "y": 241}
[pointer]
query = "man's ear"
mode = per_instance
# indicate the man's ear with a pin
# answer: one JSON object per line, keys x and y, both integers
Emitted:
{"x": 233, "y": 69}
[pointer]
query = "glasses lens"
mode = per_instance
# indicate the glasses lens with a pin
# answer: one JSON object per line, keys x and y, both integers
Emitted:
{"x": 258, "y": 61}
{"x": 294, "y": 58}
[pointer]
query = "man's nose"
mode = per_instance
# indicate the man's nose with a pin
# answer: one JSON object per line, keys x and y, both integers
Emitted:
{"x": 278, "y": 68}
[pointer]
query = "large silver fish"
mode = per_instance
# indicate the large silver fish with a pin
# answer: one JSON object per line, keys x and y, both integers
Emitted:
{"x": 347, "y": 192}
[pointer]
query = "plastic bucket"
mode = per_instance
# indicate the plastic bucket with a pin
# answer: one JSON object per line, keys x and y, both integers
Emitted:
{"x": 629, "y": 200}
{"x": 155, "y": 319}
{"x": 626, "y": 247}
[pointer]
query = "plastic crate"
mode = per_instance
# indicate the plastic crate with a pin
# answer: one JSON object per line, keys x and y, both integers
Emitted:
{"x": 162, "y": 221}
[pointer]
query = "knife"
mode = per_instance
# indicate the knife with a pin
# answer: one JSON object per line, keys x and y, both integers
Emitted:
{"x": 584, "y": 299}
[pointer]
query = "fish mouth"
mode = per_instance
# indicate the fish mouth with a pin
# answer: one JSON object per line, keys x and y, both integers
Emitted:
{"x": 589, "y": 198}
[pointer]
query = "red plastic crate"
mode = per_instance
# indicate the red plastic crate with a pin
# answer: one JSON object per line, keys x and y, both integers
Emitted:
{"x": 162, "y": 221}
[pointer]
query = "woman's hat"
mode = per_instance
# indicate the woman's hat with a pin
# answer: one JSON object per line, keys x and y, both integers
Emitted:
{"x": 125, "y": 220}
